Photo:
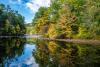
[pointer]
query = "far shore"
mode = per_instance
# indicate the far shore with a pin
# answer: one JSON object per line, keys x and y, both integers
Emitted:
{"x": 77, "y": 41}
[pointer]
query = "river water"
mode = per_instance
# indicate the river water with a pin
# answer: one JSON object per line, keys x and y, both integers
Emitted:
{"x": 29, "y": 52}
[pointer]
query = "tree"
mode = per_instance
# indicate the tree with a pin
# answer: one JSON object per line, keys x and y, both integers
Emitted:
{"x": 11, "y": 21}
{"x": 69, "y": 19}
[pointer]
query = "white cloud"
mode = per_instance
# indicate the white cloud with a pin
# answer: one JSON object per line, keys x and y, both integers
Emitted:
{"x": 45, "y": 3}
{"x": 34, "y": 5}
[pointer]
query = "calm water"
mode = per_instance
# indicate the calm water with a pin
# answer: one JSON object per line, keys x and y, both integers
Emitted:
{"x": 21, "y": 52}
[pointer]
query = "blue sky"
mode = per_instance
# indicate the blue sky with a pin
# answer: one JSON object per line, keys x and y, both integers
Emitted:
{"x": 27, "y": 8}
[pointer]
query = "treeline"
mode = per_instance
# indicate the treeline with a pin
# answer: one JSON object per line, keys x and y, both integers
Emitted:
{"x": 11, "y": 22}
{"x": 69, "y": 19}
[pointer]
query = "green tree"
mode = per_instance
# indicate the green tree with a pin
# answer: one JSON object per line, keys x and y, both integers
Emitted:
{"x": 11, "y": 22}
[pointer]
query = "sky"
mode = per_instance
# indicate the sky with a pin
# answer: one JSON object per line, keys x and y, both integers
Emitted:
{"x": 26, "y": 8}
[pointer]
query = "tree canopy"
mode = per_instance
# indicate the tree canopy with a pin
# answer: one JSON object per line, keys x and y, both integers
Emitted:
{"x": 11, "y": 22}
{"x": 69, "y": 19}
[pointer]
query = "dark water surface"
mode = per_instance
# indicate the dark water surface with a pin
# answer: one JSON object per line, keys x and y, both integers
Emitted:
{"x": 21, "y": 52}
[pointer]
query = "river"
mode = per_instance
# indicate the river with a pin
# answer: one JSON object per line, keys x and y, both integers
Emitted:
{"x": 30, "y": 52}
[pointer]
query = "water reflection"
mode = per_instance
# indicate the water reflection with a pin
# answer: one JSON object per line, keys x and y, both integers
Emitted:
{"x": 19, "y": 52}
{"x": 60, "y": 54}
{"x": 10, "y": 48}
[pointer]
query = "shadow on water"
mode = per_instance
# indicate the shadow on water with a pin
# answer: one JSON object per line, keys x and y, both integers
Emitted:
{"x": 61, "y": 54}
{"x": 21, "y": 52}
{"x": 10, "y": 48}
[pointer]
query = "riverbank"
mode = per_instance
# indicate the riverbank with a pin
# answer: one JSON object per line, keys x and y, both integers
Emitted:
{"x": 77, "y": 41}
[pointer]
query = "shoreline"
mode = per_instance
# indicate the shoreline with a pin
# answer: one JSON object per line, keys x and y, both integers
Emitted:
{"x": 77, "y": 41}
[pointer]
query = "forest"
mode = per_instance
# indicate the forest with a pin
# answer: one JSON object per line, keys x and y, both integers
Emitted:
{"x": 68, "y": 19}
{"x": 64, "y": 19}
{"x": 11, "y": 22}
{"x": 64, "y": 34}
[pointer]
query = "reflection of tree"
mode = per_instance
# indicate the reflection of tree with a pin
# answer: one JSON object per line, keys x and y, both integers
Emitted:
{"x": 60, "y": 54}
{"x": 42, "y": 55}
{"x": 52, "y": 55}
{"x": 10, "y": 48}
